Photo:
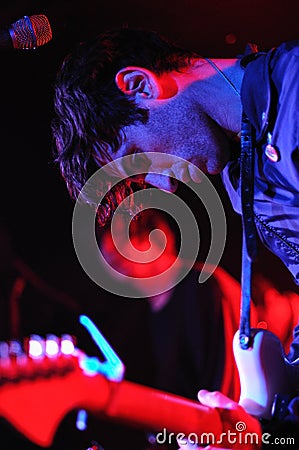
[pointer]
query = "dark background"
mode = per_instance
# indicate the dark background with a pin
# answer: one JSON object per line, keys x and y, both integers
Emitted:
{"x": 35, "y": 206}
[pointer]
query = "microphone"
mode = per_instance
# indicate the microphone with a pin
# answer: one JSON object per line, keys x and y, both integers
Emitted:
{"x": 27, "y": 33}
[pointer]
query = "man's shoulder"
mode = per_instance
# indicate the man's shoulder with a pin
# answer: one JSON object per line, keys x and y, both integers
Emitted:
{"x": 256, "y": 91}
{"x": 253, "y": 53}
{"x": 288, "y": 46}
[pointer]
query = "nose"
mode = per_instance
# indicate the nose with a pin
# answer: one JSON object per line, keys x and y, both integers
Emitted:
{"x": 163, "y": 182}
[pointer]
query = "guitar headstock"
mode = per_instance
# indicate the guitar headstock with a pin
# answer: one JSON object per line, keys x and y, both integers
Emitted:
{"x": 41, "y": 380}
{"x": 39, "y": 386}
{"x": 37, "y": 357}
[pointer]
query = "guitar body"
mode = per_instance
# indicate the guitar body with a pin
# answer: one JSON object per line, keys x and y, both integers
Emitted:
{"x": 264, "y": 372}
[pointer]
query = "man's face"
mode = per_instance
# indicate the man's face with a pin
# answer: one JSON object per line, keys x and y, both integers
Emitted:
{"x": 177, "y": 127}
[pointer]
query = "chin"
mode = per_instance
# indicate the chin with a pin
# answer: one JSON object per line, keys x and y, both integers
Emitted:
{"x": 217, "y": 166}
{"x": 215, "y": 169}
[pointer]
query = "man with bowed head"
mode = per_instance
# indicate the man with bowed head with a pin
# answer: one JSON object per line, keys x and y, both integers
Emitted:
{"x": 131, "y": 91}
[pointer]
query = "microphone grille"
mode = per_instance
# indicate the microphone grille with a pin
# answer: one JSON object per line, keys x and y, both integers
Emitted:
{"x": 30, "y": 32}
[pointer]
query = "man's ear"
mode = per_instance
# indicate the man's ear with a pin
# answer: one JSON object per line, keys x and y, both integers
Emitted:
{"x": 140, "y": 83}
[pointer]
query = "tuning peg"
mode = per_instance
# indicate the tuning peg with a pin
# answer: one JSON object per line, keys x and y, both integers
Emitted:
{"x": 10, "y": 349}
{"x": 15, "y": 348}
{"x": 11, "y": 356}
{"x": 36, "y": 347}
{"x": 67, "y": 344}
{"x": 4, "y": 359}
{"x": 4, "y": 351}
{"x": 52, "y": 346}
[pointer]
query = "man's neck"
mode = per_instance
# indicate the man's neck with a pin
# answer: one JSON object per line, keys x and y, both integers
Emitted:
{"x": 222, "y": 99}
{"x": 216, "y": 84}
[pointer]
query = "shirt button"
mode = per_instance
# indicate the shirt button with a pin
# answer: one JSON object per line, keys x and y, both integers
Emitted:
{"x": 272, "y": 153}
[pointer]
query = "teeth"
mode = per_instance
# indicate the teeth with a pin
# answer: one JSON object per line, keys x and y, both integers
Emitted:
{"x": 195, "y": 173}
{"x": 162, "y": 182}
{"x": 178, "y": 171}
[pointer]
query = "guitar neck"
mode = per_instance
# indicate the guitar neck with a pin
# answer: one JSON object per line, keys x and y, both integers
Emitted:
{"x": 22, "y": 403}
{"x": 149, "y": 408}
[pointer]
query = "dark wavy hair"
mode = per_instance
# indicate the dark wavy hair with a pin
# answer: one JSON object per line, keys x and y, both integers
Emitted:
{"x": 90, "y": 111}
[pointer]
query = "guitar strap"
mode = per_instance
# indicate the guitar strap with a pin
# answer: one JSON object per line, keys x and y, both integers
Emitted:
{"x": 249, "y": 243}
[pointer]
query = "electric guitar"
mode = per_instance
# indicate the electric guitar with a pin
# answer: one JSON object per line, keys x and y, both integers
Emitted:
{"x": 36, "y": 393}
{"x": 37, "y": 390}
